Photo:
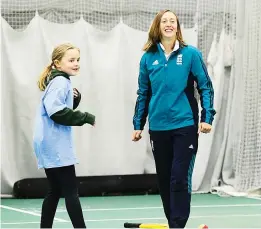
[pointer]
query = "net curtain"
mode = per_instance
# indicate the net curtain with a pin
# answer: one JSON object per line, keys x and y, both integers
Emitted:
{"x": 107, "y": 81}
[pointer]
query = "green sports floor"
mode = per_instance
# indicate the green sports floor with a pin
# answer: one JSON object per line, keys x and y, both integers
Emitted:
{"x": 113, "y": 212}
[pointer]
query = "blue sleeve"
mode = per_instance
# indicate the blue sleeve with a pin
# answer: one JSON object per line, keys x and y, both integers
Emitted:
{"x": 205, "y": 87}
{"x": 143, "y": 99}
{"x": 55, "y": 97}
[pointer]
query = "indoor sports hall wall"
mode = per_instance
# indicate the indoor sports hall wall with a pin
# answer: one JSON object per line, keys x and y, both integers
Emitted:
{"x": 110, "y": 35}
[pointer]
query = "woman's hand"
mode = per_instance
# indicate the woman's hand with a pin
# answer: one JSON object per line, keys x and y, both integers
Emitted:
{"x": 136, "y": 136}
{"x": 204, "y": 128}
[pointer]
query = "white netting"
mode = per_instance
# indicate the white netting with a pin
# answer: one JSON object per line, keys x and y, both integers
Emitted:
{"x": 238, "y": 23}
{"x": 248, "y": 166}
{"x": 102, "y": 14}
{"x": 105, "y": 15}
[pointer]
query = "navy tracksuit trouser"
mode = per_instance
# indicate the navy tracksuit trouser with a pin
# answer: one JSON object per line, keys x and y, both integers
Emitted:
{"x": 174, "y": 153}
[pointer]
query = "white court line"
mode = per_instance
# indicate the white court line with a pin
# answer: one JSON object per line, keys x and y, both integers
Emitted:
{"x": 153, "y": 218}
{"x": 160, "y": 207}
{"x": 254, "y": 197}
{"x": 28, "y": 212}
{"x": 23, "y": 223}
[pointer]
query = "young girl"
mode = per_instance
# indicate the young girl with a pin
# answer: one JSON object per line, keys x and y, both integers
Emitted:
{"x": 168, "y": 70}
{"x": 53, "y": 142}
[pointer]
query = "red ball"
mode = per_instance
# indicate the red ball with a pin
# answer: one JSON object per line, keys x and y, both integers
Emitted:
{"x": 203, "y": 226}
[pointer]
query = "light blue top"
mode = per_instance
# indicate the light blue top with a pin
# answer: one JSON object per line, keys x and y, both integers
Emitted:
{"x": 53, "y": 143}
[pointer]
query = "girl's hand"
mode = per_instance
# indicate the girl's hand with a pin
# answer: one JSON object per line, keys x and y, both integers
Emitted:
{"x": 75, "y": 93}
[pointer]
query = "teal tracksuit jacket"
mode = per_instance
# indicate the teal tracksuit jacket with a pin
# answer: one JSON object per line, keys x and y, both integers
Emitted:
{"x": 166, "y": 90}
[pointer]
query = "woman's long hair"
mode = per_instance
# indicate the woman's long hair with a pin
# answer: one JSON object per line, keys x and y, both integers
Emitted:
{"x": 155, "y": 35}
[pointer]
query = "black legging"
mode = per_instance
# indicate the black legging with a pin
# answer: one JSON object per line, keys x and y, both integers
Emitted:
{"x": 62, "y": 181}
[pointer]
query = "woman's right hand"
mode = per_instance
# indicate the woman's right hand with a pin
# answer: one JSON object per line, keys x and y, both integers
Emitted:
{"x": 136, "y": 136}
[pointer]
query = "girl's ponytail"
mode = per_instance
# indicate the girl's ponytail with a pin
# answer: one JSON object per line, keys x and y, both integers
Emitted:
{"x": 43, "y": 76}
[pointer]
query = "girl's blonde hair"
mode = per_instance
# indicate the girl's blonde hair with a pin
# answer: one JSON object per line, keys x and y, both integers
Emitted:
{"x": 155, "y": 35}
{"x": 57, "y": 54}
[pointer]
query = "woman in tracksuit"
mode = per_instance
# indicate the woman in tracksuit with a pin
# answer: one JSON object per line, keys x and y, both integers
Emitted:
{"x": 53, "y": 137}
{"x": 168, "y": 70}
